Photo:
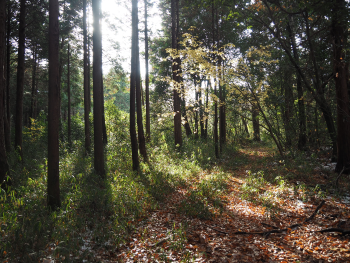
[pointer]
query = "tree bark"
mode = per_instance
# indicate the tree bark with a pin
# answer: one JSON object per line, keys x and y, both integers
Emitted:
{"x": 222, "y": 117}
{"x": 301, "y": 107}
{"x": 97, "y": 89}
{"x": 175, "y": 69}
{"x": 137, "y": 76}
{"x": 216, "y": 138}
{"x": 7, "y": 119}
{"x": 140, "y": 132}
{"x": 287, "y": 107}
{"x": 245, "y": 126}
{"x": 34, "y": 89}
{"x": 205, "y": 136}
{"x": 133, "y": 137}
{"x": 215, "y": 124}
{"x": 148, "y": 121}
{"x": 340, "y": 64}
{"x": 53, "y": 185}
{"x": 4, "y": 166}
{"x": 201, "y": 115}
{"x": 183, "y": 103}
{"x": 20, "y": 80}
{"x": 69, "y": 100}
{"x": 104, "y": 128}
{"x": 256, "y": 125}
{"x": 86, "y": 83}
{"x": 196, "y": 95}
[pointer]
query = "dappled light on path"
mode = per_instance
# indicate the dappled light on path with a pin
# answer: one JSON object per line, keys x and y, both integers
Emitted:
{"x": 232, "y": 232}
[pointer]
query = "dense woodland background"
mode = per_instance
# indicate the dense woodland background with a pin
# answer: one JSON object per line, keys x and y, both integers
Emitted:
{"x": 219, "y": 74}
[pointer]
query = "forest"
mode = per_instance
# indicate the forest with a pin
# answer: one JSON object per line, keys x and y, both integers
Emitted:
{"x": 221, "y": 136}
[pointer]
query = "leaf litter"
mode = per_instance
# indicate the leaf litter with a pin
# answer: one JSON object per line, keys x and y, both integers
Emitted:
{"x": 250, "y": 219}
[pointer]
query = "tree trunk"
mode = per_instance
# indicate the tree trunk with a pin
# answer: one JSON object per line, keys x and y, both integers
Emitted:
{"x": 20, "y": 80}
{"x": 245, "y": 126}
{"x": 140, "y": 132}
{"x": 104, "y": 128}
{"x": 215, "y": 124}
{"x": 60, "y": 72}
{"x": 340, "y": 65}
{"x": 148, "y": 121}
{"x": 133, "y": 137}
{"x": 317, "y": 128}
{"x": 256, "y": 125}
{"x": 196, "y": 96}
{"x": 86, "y": 83}
{"x": 216, "y": 139}
{"x": 53, "y": 184}
{"x": 7, "y": 119}
{"x": 89, "y": 67}
{"x": 180, "y": 79}
{"x": 34, "y": 90}
{"x": 97, "y": 89}
{"x": 288, "y": 108}
{"x": 175, "y": 69}
{"x": 222, "y": 117}
{"x": 206, "y": 108}
{"x": 301, "y": 107}
{"x": 201, "y": 116}
{"x": 4, "y": 166}
{"x": 183, "y": 103}
{"x": 69, "y": 101}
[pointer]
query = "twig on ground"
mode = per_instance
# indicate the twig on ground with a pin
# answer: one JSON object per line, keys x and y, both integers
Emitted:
{"x": 274, "y": 227}
{"x": 315, "y": 212}
{"x": 336, "y": 180}
{"x": 276, "y": 230}
{"x": 334, "y": 229}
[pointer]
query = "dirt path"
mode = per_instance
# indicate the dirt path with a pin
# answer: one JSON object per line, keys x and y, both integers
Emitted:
{"x": 169, "y": 235}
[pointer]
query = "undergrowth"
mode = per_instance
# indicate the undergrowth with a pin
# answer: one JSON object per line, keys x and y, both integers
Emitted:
{"x": 107, "y": 211}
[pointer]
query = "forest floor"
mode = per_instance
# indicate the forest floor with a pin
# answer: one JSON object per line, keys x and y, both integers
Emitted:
{"x": 248, "y": 206}
{"x": 260, "y": 210}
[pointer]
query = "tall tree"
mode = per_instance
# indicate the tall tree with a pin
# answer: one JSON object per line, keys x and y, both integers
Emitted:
{"x": 140, "y": 133}
{"x": 34, "y": 89}
{"x": 20, "y": 79}
{"x": 148, "y": 121}
{"x": 222, "y": 114}
{"x": 214, "y": 46}
{"x": 301, "y": 107}
{"x": 180, "y": 78}
{"x": 176, "y": 69}
{"x": 256, "y": 125}
{"x": 4, "y": 167}
{"x": 7, "y": 119}
{"x": 134, "y": 60}
{"x": 341, "y": 67}
{"x": 86, "y": 82}
{"x": 104, "y": 128}
{"x": 69, "y": 99}
{"x": 53, "y": 184}
{"x": 97, "y": 90}
{"x": 222, "y": 106}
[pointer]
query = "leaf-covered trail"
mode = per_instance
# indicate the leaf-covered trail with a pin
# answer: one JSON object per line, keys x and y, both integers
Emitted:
{"x": 169, "y": 234}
